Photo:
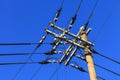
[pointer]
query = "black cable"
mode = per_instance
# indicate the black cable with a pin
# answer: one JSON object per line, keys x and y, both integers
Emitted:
{"x": 91, "y": 14}
{"x": 105, "y": 56}
{"x": 79, "y": 6}
{"x": 97, "y": 76}
{"x": 18, "y": 43}
{"x": 62, "y": 4}
{"x": 55, "y": 72}
{"x": 83, "y": 70}
{"x": 108, "y": 70}
{"x": 72, "y": 21}
{"x": 18, "y": 54}
{"x": 106, "y": 20}
{"x": 36, "y": 72}
{"x": 109, "y": 58}
{"x": 55, "y": 19}
{"x": 17, "y": 63}
{"x": 105, "y": 69}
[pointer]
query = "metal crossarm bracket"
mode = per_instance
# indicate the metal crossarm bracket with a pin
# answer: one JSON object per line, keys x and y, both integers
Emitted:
{"x": 64, "y": 38}
{"x": 69, "y": 33}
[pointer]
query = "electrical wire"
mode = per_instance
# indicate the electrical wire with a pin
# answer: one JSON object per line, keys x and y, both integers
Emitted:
{"x": 72, "y": 21}
{"x": 107, "y": 70}
{"x": 17, "y": 63}
{"x": 19, "y": 54}
{"x": 79, "y": 6}
{"x": 55, "y": 19}
{"x": 55, "y": 72}
{"x": 97, "y": 76}
{"x": 91, "y": 14}
{"x": 40, "y": 68}
{"x": 106, "y": 20}
{"x": 109, "y": 58}
{"x": 105, "y": 56}
{"x": 62, "y": 3}
{"x": 30, "y": 56}
{"x": 65, "y": 76}
{"x": 36, "y": 72}
{"x": 20, "y": 44}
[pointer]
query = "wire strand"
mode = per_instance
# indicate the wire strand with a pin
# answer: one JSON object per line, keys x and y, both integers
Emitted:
{"x": 36, "y": 72}
{"x": 17, "y": 63}
{"x": 79, "y": 6}
{"x": 18, "y": 43}
{"x": 106, "y": 20}
{"x": 55, "y": 72}
{"x": 107, "y": 70}
{"x": 19, "y": 54}
{"x": 105, "y": 56}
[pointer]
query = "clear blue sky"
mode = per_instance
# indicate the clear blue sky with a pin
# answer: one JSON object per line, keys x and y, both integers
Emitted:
{"x": 25, "y": 20}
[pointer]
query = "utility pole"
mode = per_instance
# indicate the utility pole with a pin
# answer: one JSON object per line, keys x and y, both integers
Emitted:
{"x": 80, "y": 41}
{"x": 88, "y": 56}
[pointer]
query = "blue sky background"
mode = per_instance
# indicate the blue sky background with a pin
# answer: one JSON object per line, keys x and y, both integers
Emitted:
{"x": 25, "y": 20}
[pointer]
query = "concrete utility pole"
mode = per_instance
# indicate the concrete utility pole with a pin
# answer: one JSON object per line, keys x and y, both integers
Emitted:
{"x": 80, "y": 41}
{"x": 88, "y": 56}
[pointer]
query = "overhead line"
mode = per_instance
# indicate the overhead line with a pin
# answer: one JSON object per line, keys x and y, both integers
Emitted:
{"x": 55, "y": 19}
{"x": 72, "y": 21}
{"x": 106, "y": 20}
{"x": 55, "y": 72}
{"x": 109, "y": 58}
{"x": 79, "y": 6}
{"x": 118, "y": 62}
{"x": 17, "y": 63}
{"x": 104, "y": 68}
{"x": 91, "y": 14}
{"x": 107, "y": 70}
{"x": 36, "y": 72}
{"x": 17, "y": 44}
{"x": 18, "y": 54}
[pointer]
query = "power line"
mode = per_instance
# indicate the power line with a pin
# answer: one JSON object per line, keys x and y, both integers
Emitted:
{"x": 97, "y": 76}
{"x": 79, "y": 6}
{"x": 18, "y": 44}
{"x": 18, "y": 54}
{"x": 55, "y": 20}
{"x": 106, "y": 20}
{"x": 105, "y": 56}
{"x": 91, "y": 14}
{"x": 104, "y": 68}
{"x": 55, "y": 72}
{"x": 108, "y": 70}
{"x": 75, "y": 16}
{"x": 17, "y": 63}
{"x": 36, "y": 72}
